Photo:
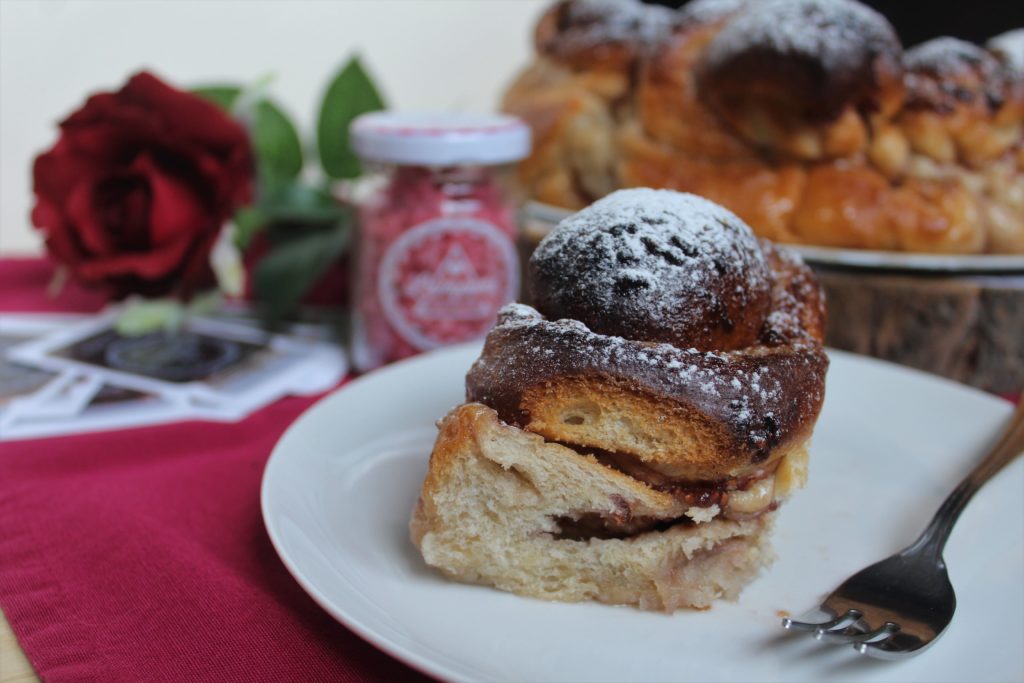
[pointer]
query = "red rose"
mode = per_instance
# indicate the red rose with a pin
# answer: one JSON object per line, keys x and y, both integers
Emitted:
{"x": 134, "y": 193}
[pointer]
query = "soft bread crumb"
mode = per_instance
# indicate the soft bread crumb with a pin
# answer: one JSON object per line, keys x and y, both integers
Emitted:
{"x": 487, "y": 515}
{"x": 702, "y": 515}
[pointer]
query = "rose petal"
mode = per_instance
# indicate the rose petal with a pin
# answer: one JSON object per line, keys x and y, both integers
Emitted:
{"x": 186, "y": 114}
{"x": 241, "y": 171}
{"x": 57, "y": 171}
{"x": 91, "y": 231}
{"x": 110, "y": 143}
{"x": 175, "y": 210}
{"x": 149, "y": 265}
{"x": 223, "y": 184}
{"x": 60, "y": 241}
{"x": 114, "y": 129}
{"x": 197, "y": 272}
{"x": 111, "y": 131}
{"x": 46, "y": 215}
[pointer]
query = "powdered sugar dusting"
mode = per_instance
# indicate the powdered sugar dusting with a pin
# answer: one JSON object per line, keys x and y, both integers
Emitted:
{"x": 945, "y": 57}
{"x": 594, "y": 23}
{"x": 745, "y": 388}
{"x": 840, "y": 34}
{"x": 1009, "y": 48}
{"x": 650, "y": 260}
{"x": 714, "y": 374}
{"x": 710, "y": 11}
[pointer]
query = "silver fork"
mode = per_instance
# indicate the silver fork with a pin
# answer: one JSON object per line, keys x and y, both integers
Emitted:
{"x": 898, "y": 607}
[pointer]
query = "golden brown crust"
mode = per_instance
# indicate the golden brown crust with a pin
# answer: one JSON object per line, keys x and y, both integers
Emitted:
{"x": 962, "y": 103}
{"x": 669, "y": 108}
{"x": 764, "y": 196}
{"x": 931, "y": 139}
{"x": 573, "y": 160}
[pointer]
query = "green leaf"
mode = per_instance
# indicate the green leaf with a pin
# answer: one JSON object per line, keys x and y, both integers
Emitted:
{"x": 291, "y": 269}
{"x": 350, "y": 94}
{"x": 249, "y": 220}
{"x": 289, "y": 205}
{"x": 297, "y": 202}
{"x": 223, "y": 96}
{"x": 276, "y": 142}
{"x": 145, "y": 316}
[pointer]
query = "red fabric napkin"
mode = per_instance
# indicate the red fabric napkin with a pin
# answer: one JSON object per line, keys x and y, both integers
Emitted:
{"x": 24, "y": 284}
{"x": 140, "y": 555}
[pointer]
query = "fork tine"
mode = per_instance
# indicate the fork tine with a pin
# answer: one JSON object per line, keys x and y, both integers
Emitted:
{"x": 896, "y": 647}
{"x": 846, "y": 635}
{"x": 845, "y": 619}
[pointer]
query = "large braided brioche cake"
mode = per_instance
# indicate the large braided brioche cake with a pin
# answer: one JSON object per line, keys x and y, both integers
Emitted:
{"x": 628, "y": 438}
{"x": 805, "y": 117}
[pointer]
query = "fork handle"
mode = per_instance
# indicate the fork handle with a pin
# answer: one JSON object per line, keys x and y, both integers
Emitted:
{"x": 1008, "y": 447}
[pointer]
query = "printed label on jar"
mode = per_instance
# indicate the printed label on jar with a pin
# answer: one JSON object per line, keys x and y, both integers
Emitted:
{"x": 443, "y": 281}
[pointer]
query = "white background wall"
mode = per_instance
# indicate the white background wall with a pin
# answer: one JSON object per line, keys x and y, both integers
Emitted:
{"x": 424, "y": 54}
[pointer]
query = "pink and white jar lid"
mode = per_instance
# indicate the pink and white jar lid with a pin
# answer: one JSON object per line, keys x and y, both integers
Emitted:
{"x": 440, "y": 139}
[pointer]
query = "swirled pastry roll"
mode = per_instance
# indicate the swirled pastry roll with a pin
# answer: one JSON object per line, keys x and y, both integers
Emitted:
{"x": 628, "y": 437}
{"x": 807, "y": 118}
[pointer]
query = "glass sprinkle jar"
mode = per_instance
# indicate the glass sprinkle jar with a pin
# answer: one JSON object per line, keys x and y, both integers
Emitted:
{"x": 436, "y": 255}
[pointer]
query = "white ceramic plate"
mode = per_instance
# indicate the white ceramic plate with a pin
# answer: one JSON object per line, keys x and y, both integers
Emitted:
{"x": 543, "y": 217}
{"x": 340, "y": 485}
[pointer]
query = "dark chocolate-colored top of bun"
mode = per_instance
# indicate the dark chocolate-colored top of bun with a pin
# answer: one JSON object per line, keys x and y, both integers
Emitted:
{"x": 819, "y": 55}
{"x": 657, "y": 266}
{"x": 945, "y": 73}
{"x": 609, "y": 32}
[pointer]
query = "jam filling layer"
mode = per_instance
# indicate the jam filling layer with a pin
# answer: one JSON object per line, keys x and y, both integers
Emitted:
{"x": 737, "y": 498}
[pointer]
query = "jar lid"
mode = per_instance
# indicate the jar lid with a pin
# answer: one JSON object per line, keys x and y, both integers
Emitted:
{"x": 440, "y": 139}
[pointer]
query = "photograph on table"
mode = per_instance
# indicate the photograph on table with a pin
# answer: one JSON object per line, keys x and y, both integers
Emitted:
{"x": 19, "y": 379}
{"x": 35, "y": 402}
{"x": 209, "y": 369}
{"x": 76, "y": 404}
